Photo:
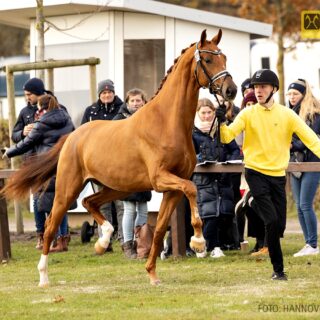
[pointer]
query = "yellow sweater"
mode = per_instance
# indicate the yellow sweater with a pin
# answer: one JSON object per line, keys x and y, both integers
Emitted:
{"x": 267, "y": 137}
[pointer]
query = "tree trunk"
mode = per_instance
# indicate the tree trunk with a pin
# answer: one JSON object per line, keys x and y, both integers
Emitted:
{"x": 280, "y": 61}
{"x": 40, "y": 34}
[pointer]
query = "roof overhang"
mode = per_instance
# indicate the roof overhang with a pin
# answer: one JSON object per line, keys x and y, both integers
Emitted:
{"x": 19, "y": 13}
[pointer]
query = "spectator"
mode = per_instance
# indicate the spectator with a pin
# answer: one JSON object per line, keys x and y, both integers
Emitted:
{"x": 246, "y": 87}
{"x": 106, "y": 108}
{"x": 136, "y": 203}
{"x": 51, "y": 122}
{"x": 215, "y": 193}
{"x": 268, "y": 128}
{"x": 304, "y": 185}
{"x": 256, "y": 227}
{"x": 33, "y": 89}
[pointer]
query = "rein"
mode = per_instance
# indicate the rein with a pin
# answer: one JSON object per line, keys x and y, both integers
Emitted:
{"x": 214, "y": 78}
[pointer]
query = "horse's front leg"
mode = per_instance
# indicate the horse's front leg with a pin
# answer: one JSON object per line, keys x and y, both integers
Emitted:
{"x": 52, "y": 225}
{"x": 168, "y": 204}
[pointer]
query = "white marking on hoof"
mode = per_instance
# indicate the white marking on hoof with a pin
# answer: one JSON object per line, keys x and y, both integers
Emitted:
{"x": 103, "y": 242}
{"x": 43, "y": 271}
{"x": 155, "y": 282}
{"x": 197, "y": 244}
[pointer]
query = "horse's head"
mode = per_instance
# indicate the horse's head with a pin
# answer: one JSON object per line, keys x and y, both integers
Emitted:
{"x": 210, "y": 70}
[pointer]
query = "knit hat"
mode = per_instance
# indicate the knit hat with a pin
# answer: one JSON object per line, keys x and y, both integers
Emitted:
{"x": 299, "y": 85}
{"x": 246, "y": 84}
{"x": 250, "y": 97}
{"x": 105, "y": 85}
{"x": 35, "y": 86}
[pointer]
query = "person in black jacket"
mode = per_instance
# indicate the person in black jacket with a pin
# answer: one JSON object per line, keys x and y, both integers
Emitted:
{"x": 106, "y": 108}
{"x": 304, "y": 185}
{"x": 215, "y": 192}
{"x": 136, "y": 203}
{"x": 51, "y": 123}
{"x": 33, "y": 90}
{"x": 107, "y": 105}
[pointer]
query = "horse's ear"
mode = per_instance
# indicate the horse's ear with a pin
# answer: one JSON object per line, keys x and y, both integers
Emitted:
{"x": 203, "y": 38}
{"x": 216, "y": 39}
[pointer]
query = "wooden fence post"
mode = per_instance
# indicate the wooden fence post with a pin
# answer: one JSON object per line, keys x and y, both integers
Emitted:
{"x": 5, "y": 247}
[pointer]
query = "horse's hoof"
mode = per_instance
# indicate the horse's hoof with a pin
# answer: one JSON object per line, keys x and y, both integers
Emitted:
{"x": 197, "y": 244}
{"x": 43, "y": 285}
{"x": 155, "y": 282}
{"x": 99, "y": 249}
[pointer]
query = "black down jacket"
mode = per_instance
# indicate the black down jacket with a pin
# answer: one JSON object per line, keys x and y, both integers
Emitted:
{"x": 215, "y": 194}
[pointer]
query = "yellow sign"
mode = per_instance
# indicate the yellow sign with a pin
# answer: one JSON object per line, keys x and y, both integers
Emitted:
{"x": 310, "y": 24}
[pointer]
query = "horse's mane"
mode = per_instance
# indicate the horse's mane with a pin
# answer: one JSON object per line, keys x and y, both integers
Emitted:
{"x": 170, "y": 69}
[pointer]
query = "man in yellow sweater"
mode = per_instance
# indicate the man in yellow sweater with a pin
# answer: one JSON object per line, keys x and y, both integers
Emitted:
{"x": 268, "y": 128}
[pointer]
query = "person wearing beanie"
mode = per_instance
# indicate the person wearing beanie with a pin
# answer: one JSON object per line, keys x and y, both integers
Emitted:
{"x": 304, "y": 185}
{"x": 106, "y": 108}
{"x": 296, "y": 92}
{"x": 246, "y": 87}
{"x": 107, "y": 105}
{"x": 33, "y": 90}
{"x": 268, "y": 128}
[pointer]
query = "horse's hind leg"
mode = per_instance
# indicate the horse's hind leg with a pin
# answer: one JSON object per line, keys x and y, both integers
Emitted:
{"x": 168, "y": 204}
{"x": 65, "y": 195}
{"x": 168, "y": 181}
{"x": 93, "y": 204}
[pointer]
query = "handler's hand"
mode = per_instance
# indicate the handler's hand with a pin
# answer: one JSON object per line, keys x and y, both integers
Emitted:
{"x": 221, "y": 113}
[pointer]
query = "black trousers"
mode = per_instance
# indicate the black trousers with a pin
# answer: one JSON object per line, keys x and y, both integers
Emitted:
{"x": 271, "y": 205}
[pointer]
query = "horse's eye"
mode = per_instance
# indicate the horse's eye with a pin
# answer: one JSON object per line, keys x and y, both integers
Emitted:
{"x": 207, "y": 60}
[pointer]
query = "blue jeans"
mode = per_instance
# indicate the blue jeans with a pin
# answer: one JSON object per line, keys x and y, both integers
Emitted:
{"x": 128, "y": 223}
{"x": 40, "y": 219}
{"x": 304, "y": 191}
{"x": 39, "y": 216}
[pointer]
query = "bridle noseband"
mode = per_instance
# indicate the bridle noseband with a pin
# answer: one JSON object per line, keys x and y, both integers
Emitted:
{"x": 214, "y": 78}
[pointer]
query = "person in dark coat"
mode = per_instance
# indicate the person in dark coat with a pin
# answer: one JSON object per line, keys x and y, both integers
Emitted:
{"x": 135, "y": 205}
{"x": 106, "y": 108}
{"x": 107, "y": 105}
{"x": 33, "y": 90}
{"x": 51, "y": 123}
{"x": 215, "y": 193}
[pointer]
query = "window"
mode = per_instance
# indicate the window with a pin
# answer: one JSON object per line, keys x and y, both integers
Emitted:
{"x": 265, "y": 63}
{"x": 144, "y": 65}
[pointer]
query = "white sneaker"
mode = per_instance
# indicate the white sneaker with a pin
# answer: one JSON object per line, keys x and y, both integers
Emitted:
{"x": 306, "y": 251}
{"x": 201, "y": 254}
{"x": 216, "y": 253}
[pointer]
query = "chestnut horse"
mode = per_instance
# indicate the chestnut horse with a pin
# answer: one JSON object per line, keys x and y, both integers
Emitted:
{"x": 152, "y": 150}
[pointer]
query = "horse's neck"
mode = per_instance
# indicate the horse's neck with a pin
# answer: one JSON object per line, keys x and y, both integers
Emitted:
{"x": 179, "y": 97}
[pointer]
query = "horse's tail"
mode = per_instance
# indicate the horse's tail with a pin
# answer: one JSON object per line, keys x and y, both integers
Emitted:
{"x": 34, "y": 173}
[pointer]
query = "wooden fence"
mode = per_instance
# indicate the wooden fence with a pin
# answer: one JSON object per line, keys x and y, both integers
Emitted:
{"x": 178, "y": 216}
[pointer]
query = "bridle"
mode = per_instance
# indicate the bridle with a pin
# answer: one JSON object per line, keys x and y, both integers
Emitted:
{"x": 213, "y": 88}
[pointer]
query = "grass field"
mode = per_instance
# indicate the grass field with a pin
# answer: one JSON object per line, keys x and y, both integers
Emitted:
{"x": 86, "y": 286}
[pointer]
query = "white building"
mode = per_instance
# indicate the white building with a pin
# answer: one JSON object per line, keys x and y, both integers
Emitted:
{"x": 136, "y": 40}
{"x": 302, "y": 62}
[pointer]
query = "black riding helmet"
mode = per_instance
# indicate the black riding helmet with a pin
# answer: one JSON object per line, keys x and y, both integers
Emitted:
{"x": 265, "y": 76}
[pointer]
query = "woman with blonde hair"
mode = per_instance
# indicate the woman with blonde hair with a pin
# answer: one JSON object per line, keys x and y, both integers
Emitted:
{"x": 304, "y": 185}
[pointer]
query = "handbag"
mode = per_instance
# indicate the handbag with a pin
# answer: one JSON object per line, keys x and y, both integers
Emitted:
{"x": 298, "y": 157}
